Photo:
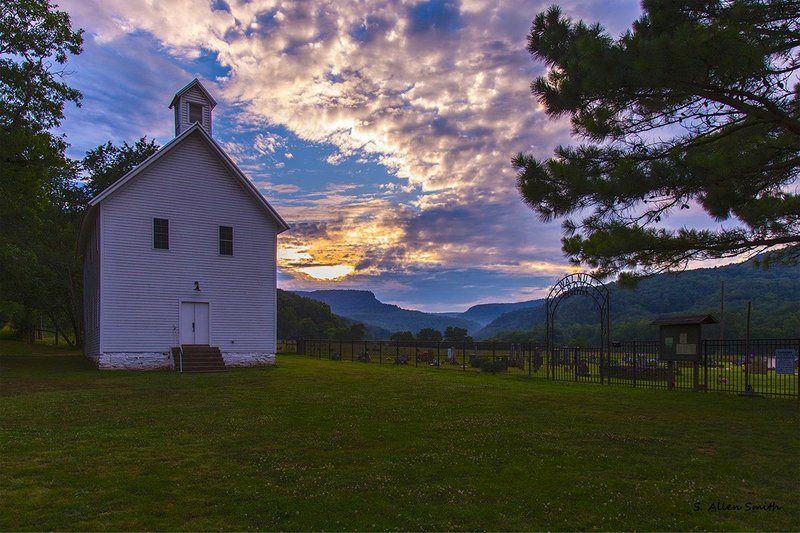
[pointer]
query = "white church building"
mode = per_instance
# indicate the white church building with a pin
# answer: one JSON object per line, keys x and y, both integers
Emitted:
{"x": 179, "y": 257}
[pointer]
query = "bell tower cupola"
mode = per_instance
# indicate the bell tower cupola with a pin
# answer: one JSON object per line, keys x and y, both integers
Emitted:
{"x": 192, "y": 104}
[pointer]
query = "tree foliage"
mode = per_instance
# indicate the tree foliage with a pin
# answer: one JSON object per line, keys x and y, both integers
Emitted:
{"x": 306, "y": 318}
{"x": 107, "y": 163}
{"x": 402, "y": 336}
{"x": 695, "y": 106}
{"x": 39, "y": 197}
{"x": 33, "y": 35}
{"x": 456, "y": 334}
{"x": 429, "y": 334}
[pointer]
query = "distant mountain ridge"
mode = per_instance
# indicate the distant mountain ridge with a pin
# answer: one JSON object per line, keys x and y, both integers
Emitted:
{"x": 775, "y": 293}
{"x": 486, "y": 313}
{"x": 363, "y": 306}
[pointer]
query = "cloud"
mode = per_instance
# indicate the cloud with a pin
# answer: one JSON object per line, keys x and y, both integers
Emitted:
{"x": 437, "y": 92}
{"x": 269, "y": 143}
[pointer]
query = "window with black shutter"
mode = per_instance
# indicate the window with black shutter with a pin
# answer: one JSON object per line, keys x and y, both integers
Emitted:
{"x": 161, "y": 233}
{"x": 225, "y": 240}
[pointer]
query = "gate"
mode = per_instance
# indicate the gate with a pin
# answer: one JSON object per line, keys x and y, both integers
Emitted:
{"x": 575, "y": 364}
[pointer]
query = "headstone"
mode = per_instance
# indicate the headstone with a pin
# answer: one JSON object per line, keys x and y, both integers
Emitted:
{"x": 538, "y": 361}
{"x": 785, "y": 360}
{"x": 583, "y": 369}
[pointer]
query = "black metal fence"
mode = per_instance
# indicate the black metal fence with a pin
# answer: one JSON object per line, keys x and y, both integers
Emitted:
{"x": 767, "y": 367}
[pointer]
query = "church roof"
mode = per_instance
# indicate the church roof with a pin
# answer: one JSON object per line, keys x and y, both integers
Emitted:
{"x": 167, "y": 148}
{"x": 194, "y": 83}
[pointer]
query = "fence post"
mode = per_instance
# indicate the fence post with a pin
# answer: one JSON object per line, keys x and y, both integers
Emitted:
{"x": 380, "y": 352}
{"x": 530, "y": 360}
{"x": 607, "y": 357}
{"x": 575, "y": 355}
{"x": 635, "y": 362}
{"x": 670, "y": 374}
{"x": 705, "y": 363}
{"x": 464, "y": 355}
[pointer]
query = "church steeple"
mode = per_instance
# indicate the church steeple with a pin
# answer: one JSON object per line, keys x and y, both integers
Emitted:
{"x": 192, "y": 104}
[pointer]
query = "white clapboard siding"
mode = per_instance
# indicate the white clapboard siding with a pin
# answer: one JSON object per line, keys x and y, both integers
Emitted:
{"x": 91, "y": 293}
{"x": 143, "y": 287}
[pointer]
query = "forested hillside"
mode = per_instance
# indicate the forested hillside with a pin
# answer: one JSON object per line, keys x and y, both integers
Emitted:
{"x": 306, "y": 318}
{"x": 774, "y": 293}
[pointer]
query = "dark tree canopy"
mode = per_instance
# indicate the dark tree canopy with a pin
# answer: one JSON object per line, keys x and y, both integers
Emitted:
{"x": 34, "y": 38}
{"x": 40, "y": 197}
{"x": 429, "y": 334}
{"x": 107, "y": 163}
{"x": 401, "y": 336}
{"x": 456, "y": 334}
{"x": 695, "y": 107}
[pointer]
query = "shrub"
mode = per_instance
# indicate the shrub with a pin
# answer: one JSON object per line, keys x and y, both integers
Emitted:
{"x": 499, "y": 365}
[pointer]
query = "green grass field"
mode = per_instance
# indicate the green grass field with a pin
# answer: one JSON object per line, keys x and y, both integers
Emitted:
{"x": 326, "y": 445}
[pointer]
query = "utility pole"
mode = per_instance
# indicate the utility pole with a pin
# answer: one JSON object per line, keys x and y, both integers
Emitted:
{"x": 722, "y": 315}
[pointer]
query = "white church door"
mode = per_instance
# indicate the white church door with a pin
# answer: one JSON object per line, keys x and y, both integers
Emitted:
{"x": 194, "y": 323}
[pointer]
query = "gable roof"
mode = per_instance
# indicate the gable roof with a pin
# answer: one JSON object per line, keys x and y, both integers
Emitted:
{"x": 194, "y": 83}
{"x": 167, "y": 148}
{"x": 682, "y": 320}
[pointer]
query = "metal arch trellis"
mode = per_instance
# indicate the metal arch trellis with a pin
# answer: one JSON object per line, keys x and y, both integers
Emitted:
{"x": 587, "y": 285}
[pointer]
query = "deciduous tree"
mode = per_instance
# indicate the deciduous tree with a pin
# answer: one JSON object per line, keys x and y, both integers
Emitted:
{"x": 107, "y": 163}
{"x": 37, "y": 188}
{"x": 429, "y": 334}
{"x": 456, "y": 334}
{"x": 401, "y": 336}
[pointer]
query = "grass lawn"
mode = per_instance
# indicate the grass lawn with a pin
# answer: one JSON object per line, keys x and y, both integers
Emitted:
{"x": 325, "y": 445}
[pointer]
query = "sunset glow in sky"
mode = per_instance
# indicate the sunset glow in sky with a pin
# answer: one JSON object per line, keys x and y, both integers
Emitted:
{"x": 382, "y": 131}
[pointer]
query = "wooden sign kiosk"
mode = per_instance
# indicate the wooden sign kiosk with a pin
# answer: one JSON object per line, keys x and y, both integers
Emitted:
{"x": 680, "y": 339}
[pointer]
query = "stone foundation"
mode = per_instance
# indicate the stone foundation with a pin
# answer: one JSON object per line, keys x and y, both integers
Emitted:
{"x": 164, "y": 361}
{"x": 248, "y": 358}
{"x": 134, "y": 361}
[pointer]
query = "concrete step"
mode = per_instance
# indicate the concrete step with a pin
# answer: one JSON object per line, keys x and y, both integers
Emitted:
{"x": 198, "y": 358}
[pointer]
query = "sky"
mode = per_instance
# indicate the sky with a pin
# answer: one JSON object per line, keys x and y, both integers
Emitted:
{"x": 381, "y": 131}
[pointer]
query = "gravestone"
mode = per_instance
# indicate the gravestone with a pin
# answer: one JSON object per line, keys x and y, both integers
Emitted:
{"x": 538, "y": 361}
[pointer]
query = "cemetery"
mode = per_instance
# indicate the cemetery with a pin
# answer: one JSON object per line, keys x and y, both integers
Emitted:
{"x": 681, "y": 358}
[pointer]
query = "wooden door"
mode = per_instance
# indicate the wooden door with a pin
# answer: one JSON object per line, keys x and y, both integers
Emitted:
{"x": 194, "y": 323}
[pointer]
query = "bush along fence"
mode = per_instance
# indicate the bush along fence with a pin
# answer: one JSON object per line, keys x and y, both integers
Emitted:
{"x": 767, "y": 367}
